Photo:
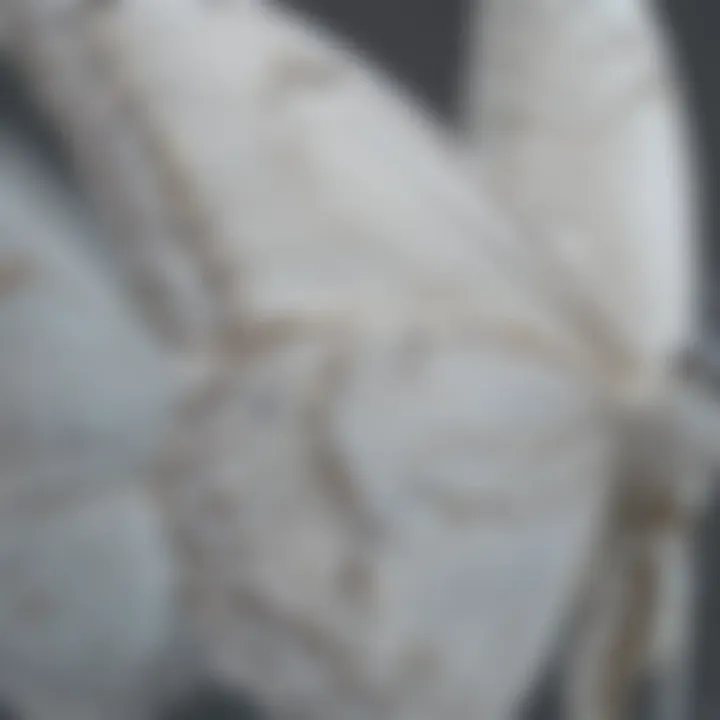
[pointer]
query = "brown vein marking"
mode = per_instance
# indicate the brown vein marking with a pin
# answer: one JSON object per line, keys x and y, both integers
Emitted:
{"x": 249, "y": 343}
{"x": 356, "y": 578}
{"x": 192, "y": 221}
{"x": 331, "y": 471}
{"x": 461, "y": 321}
{"x": 252, "y": 340}
{"x": 643, "y": 513}
{"x": 495, "y": 507}
{"x": 17, "y": 272}
{"x": 583, "y": 342}
{"x": 194, "y": 225}
{"x": 74, "y": 77}
{"x": 201, "y": 403}
{"x": 503, "y": 503}
{"x": 322, "y": 643}
{"x": 633, "y": 633}
{"x": 579, "y": 311}
{"x": 657, "y": 510}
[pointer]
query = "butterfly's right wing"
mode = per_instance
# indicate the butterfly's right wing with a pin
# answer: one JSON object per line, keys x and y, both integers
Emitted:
{"x": 575, "y": 114}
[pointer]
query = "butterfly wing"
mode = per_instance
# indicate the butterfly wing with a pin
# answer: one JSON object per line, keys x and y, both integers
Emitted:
{"x": 386, "y": 498}
{"x": 576, "y": 116}
{"x": 84, "y": 391}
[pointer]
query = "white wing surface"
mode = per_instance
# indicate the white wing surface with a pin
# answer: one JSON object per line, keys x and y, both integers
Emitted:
{"x": 386, "y": 496}
{"x": 576, "y": 118}
{"x": 84, "y": 394}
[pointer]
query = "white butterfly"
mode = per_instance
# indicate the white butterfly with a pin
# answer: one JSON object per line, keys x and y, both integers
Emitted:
{"x": 387, "y": 491}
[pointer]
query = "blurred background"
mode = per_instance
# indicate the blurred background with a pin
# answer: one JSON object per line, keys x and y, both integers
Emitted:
{"x": 419, "y": 42}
